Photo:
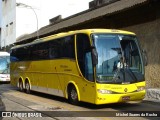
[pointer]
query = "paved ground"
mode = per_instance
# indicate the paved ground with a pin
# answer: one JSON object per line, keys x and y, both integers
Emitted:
{"x": 20, "y": 101}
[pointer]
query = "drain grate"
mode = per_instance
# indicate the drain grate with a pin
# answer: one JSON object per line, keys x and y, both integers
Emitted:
{"x": 54, "y": 108}
{"x": 44, "y": 108}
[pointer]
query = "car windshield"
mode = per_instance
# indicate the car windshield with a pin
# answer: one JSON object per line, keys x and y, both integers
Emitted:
{"x": 4, "y": 64}
{"x": 119, "y": 59}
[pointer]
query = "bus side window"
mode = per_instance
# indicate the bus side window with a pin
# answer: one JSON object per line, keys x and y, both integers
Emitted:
{"x": 68, "y": 47}
{"x": 84, "y": 56}
{"x": 43, "y": 51}
{"x": 55, "y": 47}
{"x": 52, "y": 53}
{"x": 88, "y": 66}
{"x": 62, "y": 48}
{"x": 40, "y": 51}
{"x": 13, "y": 56}
{"x": 23, "y": 54}
{"x": 34, "y": 55}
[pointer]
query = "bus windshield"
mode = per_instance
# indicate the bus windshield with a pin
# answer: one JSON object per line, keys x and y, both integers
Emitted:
{"x": 4, "y": 64}
{"x": 119, "y": 59}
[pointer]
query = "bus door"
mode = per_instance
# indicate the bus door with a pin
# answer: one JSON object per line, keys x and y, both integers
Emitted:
{"x": 84, "y": 57}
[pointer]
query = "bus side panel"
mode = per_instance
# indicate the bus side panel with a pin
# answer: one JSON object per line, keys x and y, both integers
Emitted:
{"x": 44, "y": 77}
{"x": 15, "y": 73}
{"x": 68, "y": 72}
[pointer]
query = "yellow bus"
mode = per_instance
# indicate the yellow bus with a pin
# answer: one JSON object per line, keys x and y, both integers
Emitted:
{"x": 98, "y": 66}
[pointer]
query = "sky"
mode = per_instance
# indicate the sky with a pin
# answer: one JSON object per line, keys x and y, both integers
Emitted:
{"x": 45, "y": 9}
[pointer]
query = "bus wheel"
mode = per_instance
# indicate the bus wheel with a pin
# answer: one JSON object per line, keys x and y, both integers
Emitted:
{"x": 73, "y": 96}
{"x": 27, "y": 86}
{"x": 21, "y": 86}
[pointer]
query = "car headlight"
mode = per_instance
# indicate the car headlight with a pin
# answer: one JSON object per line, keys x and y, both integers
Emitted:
{"x": 140, "y": 88}
{"x": 103, "y": 91}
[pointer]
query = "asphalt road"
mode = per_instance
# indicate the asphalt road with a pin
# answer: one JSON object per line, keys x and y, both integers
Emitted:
{"x": 32, "y": 106}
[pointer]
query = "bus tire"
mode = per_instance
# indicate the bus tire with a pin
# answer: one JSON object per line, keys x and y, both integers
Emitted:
{"x": 27, "y": 86}
{"x": 21, "y": 86}
{"x": 73, "y": 96}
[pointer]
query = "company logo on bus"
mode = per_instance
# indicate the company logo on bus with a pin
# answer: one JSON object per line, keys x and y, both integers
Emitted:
{"x": 125, "y": 90}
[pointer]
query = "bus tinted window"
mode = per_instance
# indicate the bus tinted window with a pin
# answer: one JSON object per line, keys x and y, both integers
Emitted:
{"x": 59, "y": 48}
{"x": 55, "y": 49}
{"x": 20, "y": 54}
{"x": 84, "y": 56}
{"x": 39, "y": 51}
{"x": 62, "y": 48}
{"x": 68, "y": 47}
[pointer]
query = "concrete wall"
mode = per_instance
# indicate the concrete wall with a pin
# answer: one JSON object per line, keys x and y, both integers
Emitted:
{"x": 149, "y": 36}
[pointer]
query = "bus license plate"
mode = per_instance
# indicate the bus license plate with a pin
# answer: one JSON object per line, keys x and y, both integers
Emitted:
{"x": 126, "y": 98}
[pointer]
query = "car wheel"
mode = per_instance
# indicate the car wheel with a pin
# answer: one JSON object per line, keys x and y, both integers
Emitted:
{"x": 27, "y": 86}
{"x": 73, "y": 96}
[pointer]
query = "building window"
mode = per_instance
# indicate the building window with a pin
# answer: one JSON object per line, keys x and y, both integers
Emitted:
{"x": 6, "y": 30}
{"x": 11, "y": 28}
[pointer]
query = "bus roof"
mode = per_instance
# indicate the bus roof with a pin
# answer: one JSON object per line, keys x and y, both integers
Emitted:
{"x": 88, "y": 31}
{"x": 4, "y": 53}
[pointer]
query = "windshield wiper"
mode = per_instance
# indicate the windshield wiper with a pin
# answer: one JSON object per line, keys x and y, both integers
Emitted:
{"x": 132, "y": 74}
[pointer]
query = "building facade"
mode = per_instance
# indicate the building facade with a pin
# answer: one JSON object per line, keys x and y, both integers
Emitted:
{"x": 7, "y": 23}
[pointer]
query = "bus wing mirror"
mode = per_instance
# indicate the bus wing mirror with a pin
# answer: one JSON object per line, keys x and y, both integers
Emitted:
{"x": 95, "y": 56}
{"x": 144, "y": 55}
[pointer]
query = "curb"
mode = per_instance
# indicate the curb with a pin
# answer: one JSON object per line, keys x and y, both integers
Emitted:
{"x": 152, "y": 94}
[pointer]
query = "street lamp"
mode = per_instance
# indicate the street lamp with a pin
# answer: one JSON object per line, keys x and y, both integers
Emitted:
{"x": 30, "y": 7}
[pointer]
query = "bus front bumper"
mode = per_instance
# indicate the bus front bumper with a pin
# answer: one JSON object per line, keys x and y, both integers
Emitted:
{"x": 118, "y": 98}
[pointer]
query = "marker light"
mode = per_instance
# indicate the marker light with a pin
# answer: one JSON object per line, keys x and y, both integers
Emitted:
{"x": 104, "y": 91}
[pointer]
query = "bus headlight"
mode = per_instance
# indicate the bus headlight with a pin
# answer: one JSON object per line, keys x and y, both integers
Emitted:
{"x": 103, "y": 91}
{"x": 140, "y": 88}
